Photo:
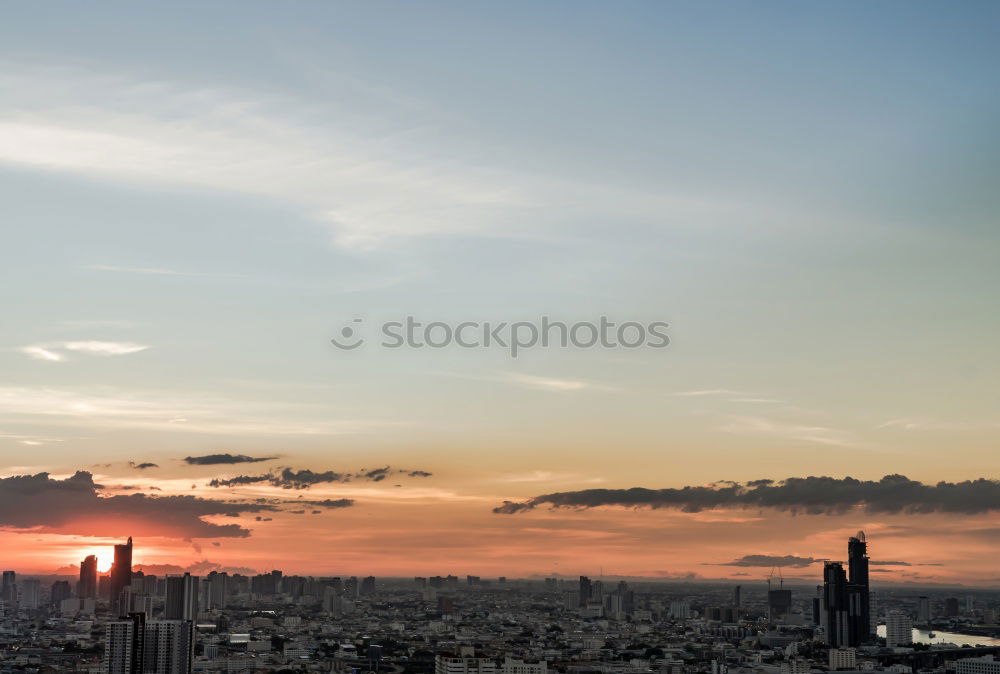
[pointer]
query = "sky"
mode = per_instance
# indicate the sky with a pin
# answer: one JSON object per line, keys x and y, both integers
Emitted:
{"x": 197, "y": 198}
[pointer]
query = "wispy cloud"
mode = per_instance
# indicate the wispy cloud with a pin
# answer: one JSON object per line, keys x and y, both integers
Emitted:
{"x": 55, "y": 351}
{"x": 554, "y": 384}
{"x": 713, "y": 392}
{"x": 170, "y": 411}
{"x": 331, "y": 162}
{"x": 42, "y": 353}
{"x": 916, "y": 424}
{"x": 822, "y": 435}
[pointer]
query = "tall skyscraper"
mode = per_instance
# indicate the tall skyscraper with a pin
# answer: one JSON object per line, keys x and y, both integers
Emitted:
{"x": 833, "y": 608}
{"x": 738, "y": 597}
{"x": 845, "y": 606}
{"x": 182, "y": 597}
{"x": 87, "y": 587}
{"x": 121, "y": 577}
{"x": 857, "y": 564}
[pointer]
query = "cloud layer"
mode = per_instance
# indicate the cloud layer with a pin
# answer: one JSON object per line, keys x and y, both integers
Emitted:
{"x": 809, "y": 495}
{"x": 75, "y": 505}
{"x": 288, "y": 478}
{"x": 222, "y": 459}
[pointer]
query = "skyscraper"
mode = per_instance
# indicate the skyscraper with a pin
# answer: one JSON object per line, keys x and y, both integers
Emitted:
{"x": 121, "y": 577}
{"x": 845, "y": 606}
{"x": 833, "y": 605}
{"x": 857, "y": 564}
{"x": 87, "y": 587}
{"x": 182, "y": 597}
{"x": 738, "y": 597}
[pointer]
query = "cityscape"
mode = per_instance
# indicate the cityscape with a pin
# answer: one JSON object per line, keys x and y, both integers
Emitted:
{"x": 510, "y": 337}
{"x": 129, "y": 622}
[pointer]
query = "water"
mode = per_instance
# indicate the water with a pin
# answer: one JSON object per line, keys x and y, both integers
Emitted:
{"x": 923, "y": 637}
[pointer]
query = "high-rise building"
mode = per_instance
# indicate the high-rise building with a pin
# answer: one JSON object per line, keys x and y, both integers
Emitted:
{"x": 585, "y": 591}
{"x": 138, "y": 646}
{"x": 842, "y": 658}
{"x": 121, "y": 577}
{"x": 59, "y": 591}
{"x": 218, "y": 589}
{"x": 898, "y": 629}
{"x": 846, "y": 604}
{"x": 738, "y": 597}
{"x": 923, "y": 610}
{"x": 951, "y": 607}
{"x": 182, "y": 597}
{"x": 857, "y": 564}
{"x": 87, "y": 586}
{"x": 8, "y": 591}
{"x": 833, "y": 605}
{"x": 30, "y": 594}
{"x": 368, "y": 585}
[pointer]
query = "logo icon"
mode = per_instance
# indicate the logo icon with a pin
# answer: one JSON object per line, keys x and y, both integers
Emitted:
{"x": 347, "y": 333}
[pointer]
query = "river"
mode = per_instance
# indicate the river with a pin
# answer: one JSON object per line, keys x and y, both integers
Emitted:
{"x": 924, "y": 637}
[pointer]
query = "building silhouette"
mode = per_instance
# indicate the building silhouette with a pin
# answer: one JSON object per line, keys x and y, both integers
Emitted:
{"x": 845, "y": 603}
{"x": 86, "y": 587}
{"x": 121, "y": 577}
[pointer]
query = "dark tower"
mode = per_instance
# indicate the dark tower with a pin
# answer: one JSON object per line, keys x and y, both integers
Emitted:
{"x": 585, "y": 590}
{"x": 87, "y": 588}
{"x": 121, "y": 577}
{"x": 857, "y": 565}
{"x": 834, "y": 605}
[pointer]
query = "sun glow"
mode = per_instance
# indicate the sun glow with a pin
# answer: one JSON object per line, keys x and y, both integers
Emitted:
{"x": 105, "y": 558}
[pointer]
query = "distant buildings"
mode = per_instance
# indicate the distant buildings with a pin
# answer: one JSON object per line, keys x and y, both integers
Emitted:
{"x": 985, "y": 665}
{"x": 465, "y": 663}
{"x": 842, "y": 658}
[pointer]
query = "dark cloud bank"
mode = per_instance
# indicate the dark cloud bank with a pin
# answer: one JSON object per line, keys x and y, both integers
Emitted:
{"x": 287, "y": 478}
{"x": 225, "y": 459}
{"x": 805, "y": 495}
{"x": 77, "y": 505}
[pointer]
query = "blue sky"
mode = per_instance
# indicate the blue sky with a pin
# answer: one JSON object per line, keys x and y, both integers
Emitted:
{"x": 196, "y": 196}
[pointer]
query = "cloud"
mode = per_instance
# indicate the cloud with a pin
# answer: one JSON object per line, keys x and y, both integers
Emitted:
{"x": 55, "y": 351}
{"x": 288, "y": 478}
{"x": 142, "y": 466}
{"x": 821, "y": 435}
{"x": 74, "y": 505}
{"x": 771, "y": 561}
{"x": 160, "y": 410}
{"x": 218, "y": 459}
{"x": 808, "y": 495}
{"x": 330, "y": 503}
{"x": 41, "y": 353}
